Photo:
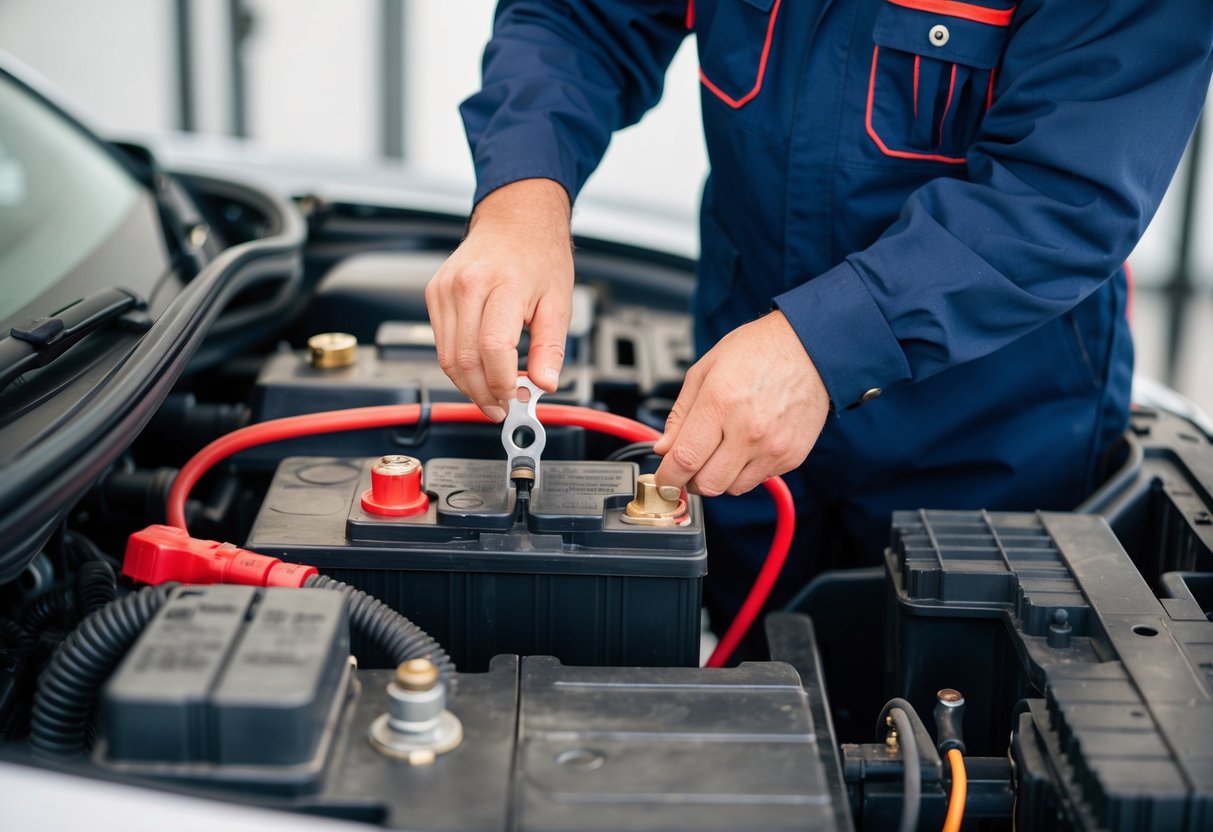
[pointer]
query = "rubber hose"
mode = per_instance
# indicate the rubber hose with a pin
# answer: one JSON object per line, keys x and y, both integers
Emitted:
{"x": 14, "y": 636}
{"x": 911, "y": 764}
{"x": 47, "y": 609}
{"x": 388, "y": 630}
{"x": 96, "y": 586}
{"x": 66, "y": 689}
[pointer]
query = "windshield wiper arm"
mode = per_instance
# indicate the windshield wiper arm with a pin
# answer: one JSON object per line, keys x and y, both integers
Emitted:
{"x": 40, "y": 341}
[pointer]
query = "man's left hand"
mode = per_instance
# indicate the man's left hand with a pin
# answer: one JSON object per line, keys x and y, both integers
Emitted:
{"x": 751, "y": 408}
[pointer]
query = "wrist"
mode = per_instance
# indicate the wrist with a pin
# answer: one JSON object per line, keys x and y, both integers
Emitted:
{"x": 535, "y": 205}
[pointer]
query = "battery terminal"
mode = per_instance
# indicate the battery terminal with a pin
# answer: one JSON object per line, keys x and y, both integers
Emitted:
{"x": 656, "y": 505}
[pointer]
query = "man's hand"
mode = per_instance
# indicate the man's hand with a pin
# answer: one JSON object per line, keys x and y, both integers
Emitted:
{"x": 751, "y": 408}
{"x": 515, "y": 267}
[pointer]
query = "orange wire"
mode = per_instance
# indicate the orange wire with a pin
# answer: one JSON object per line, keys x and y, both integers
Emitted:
{"x": 960, "y": 789}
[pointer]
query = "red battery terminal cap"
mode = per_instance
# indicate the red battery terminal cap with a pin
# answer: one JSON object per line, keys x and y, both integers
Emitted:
{"x": 159, "y": 554}
{"x": 395, "y": 488}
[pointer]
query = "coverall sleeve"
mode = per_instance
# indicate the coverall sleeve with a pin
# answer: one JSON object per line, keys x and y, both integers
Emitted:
{"x": 1093, "y": 106}
{"x": 560, "y": 76}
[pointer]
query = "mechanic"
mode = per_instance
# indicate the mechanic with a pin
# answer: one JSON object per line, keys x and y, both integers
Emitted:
{"x": 912, "y": 242}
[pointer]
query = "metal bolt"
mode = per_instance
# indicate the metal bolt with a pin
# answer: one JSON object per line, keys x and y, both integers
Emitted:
{"x": 416, "y": 698}
{"x": 417, "y": 726}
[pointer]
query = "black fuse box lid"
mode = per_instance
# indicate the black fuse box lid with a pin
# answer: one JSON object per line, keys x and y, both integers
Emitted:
{"x": 231, "y": 676}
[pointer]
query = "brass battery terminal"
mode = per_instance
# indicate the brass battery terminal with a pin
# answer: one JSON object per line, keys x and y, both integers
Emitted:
{"x": 331, "y": 350}
{"x": 656, "y": 505}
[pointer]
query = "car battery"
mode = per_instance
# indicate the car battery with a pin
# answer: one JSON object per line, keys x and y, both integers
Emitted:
{"x": 559, "y": 571}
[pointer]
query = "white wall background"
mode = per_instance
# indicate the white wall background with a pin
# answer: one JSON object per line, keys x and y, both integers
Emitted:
{"x": 312, "y": 90}
{"x": 312, "y": 82}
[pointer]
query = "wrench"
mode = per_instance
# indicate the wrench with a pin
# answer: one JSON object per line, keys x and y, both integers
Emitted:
{"x": 522, "y": 435}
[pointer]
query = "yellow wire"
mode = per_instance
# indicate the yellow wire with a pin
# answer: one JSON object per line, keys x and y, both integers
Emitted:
{"x": 960, "y": 788}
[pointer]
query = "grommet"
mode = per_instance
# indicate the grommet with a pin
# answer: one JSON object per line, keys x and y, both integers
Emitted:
{"x": 939, "y": 35}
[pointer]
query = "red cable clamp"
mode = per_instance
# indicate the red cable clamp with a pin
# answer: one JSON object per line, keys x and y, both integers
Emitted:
{"x": 165, "y": 553}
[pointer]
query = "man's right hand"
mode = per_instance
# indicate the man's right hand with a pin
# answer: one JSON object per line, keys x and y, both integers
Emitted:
{"x": 515, "y": 267}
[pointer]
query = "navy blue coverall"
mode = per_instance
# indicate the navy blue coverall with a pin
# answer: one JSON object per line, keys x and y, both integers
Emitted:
{"x": 938, "y": 195}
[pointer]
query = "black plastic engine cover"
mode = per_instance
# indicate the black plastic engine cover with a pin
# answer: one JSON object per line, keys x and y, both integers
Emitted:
{"x": 549, "y": 747}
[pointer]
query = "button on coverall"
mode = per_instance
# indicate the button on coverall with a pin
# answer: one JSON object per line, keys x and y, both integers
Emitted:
{"x": 938, "y": 195}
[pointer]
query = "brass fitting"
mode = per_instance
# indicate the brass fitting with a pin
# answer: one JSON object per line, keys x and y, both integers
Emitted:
{"x": 417, "y": 726}
{"x": 417, "y": 675}
{"x": 332, "y": 349}
{"x": 655, "y": 505}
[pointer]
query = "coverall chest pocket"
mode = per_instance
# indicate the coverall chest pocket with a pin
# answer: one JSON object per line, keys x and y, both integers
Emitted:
{"x": 932, "y": 75}
{"x": 734, "y": 39}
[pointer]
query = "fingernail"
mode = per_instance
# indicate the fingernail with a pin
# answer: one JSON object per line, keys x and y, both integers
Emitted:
{"x": 495, "y": 413}
{"x": 551, "y": 373}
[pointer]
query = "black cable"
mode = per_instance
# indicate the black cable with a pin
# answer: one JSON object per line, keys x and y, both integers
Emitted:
{"x": 96, "y": 586}
{"x": 911, "y": 794}
{"x": 67, "y": 688}
{"x": 49, "y": 609}
{"x": 920, "y": 729}
{"x": 636, "y": 450}
{"x": 399, "y": 638}
{"x": 16, "y": 657}
{"x": 91, "y": 549}
{"x": 922, "y": 742}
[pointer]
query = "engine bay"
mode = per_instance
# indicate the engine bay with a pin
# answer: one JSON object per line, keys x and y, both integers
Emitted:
{"x": 461, "y": 652}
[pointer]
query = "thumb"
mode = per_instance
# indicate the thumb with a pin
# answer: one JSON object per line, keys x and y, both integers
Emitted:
{"x": 682, "y": 406}
{"x": 549, "y": 328}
